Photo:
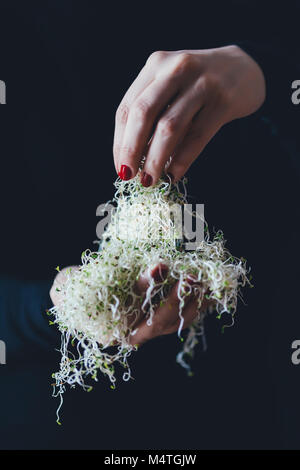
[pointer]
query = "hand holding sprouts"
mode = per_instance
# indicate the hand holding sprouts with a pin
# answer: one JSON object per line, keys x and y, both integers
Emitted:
{"x": 139, "y": 285}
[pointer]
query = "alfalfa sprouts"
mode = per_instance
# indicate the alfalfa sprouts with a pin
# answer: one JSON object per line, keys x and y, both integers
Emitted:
{"x": 98, "y": 299}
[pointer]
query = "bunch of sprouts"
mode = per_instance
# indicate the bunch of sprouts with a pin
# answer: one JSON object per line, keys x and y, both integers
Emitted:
{"x": 98, "y": 299}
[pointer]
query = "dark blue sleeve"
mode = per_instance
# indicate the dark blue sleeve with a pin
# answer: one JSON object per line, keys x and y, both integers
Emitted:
{"x": 24, "y": 323}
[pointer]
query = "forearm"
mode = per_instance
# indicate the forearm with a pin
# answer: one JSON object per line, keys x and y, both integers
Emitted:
{"x": 280, "y": 65}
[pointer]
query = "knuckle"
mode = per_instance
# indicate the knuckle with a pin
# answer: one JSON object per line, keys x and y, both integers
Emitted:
{"x": 214, "y": 86}
{"x": 156, "y": 57}
{"x": 122, "y": 113}
{"x": 141, "y": 110}
{"x": 215, "y": 92}
{"x": 200, "y": 85}
{"x": 168, "y": 126}
{"x": 183, "y": 62}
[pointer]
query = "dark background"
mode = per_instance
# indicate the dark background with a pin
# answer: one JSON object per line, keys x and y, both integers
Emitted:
{"x": 67, "y": 65}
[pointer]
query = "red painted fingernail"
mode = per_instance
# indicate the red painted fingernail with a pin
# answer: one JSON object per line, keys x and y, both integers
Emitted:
{"x": 160, "y": 272}
{"x": 146, "y": 180}
{"x": 125, "y": 173}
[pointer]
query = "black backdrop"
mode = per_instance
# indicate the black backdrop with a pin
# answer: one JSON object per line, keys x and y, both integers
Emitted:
{"x": 67, "y": 65}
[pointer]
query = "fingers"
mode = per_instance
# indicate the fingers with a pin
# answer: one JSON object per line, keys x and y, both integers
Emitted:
{"x": 146, "y": 332}
{"x": 204, "y": 127}
{"x": 173, "y": 110}
{"x": 166, "y": 319}
{"x": 170, "y": 131}
{"x": 181, "y": 132}
{"x": 139, "y": 84}
{"x": 141, "y": 118}
{"x": 159, "y": 274}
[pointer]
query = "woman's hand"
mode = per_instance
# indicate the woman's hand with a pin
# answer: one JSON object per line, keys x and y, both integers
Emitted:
{"x": 166, "y": 318}
{"x": 177, "y": 103}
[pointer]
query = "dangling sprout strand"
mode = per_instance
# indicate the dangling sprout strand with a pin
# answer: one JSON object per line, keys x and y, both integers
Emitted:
{"x": 98, "y": 299}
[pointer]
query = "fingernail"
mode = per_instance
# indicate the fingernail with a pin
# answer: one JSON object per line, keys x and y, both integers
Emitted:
{"x": 125, "y": 173}
{"x": 160, "y": 273}
{"x": 146, "y": 180}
